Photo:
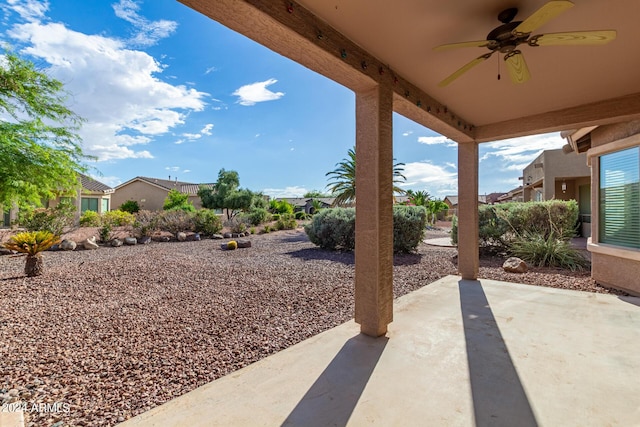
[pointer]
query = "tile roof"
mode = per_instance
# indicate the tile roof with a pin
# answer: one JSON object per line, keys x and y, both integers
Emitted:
{"x": 183, "y": 187}
{"x": 91, "y": 184}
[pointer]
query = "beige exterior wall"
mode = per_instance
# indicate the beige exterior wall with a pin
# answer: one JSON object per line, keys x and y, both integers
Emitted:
{"x": 546, "y": 173}
{"x": 611, "y": 266}
{"x": 148, "y": 196}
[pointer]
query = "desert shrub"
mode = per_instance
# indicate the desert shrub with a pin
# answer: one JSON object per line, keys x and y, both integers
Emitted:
{"x": 552, "y": 251}
{"x": 105, "y": 232}
{"x": 146, "y": 223}
{"x": 178, "y": 201}
{"x": 333, "y": 228}
{"x": 237, "y": 224}
{"x": 90, "y": 219}
{"x": 275, "y": 217}
{"x": 286, "y": 222}
{"x": 301, "y": 215}
{"x": 266, "y": 229}
{"x": 118, "y": 218}
{"x": 175, "y": 221}
{"x": 454, "y": 230}
{"x": 409, "y": 224}
{"x": 281, "y": 207}
{"x": 207, "y": 222}
{"x": 53, "y": 220}
{"x": 130, "y": 206}
{"x": 252, "y": 230}
{"x": 232, "y": 245}
{"x": 257, "y": 216}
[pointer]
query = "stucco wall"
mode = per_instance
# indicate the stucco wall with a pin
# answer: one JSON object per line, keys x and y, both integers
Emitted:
{"x": 552, "y": 167}
{"x": 615, "y": 272}
{"x": 148, "y": 196}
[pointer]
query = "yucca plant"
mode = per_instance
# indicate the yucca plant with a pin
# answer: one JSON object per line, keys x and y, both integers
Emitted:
{"x": 32, "y": 243}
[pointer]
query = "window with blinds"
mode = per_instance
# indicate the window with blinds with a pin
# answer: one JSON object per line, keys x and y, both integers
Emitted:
{"x": 620, "y": 198}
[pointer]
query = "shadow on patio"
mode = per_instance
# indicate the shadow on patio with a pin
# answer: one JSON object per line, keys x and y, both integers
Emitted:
{"x": 458, "y": 353}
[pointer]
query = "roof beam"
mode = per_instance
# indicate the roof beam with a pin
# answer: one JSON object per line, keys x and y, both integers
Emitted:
{"x": 613, "y": 110}
{"x": 289, "y": 29}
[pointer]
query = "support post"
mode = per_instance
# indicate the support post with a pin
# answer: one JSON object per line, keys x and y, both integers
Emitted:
{"x": 468, "y": 253}
{"x": 374, "y": 210}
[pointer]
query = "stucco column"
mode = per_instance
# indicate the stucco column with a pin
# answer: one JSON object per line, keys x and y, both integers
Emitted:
{"x": 468, "y": 254}
{"x": 374, "y": 210}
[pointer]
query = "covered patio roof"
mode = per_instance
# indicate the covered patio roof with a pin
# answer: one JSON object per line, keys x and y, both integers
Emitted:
{"x": 459, "y": 353}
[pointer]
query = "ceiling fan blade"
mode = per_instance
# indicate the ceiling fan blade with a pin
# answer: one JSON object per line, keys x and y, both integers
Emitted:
{"x": 517, "y": 66}
{"x": 477, "y": 43}
{"x": 543, "y": 15}
{"x": 464, "y": 69}
{"x": 588, "y": 38}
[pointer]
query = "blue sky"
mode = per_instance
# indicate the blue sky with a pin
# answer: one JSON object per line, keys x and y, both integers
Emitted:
{"x": 168, "y": 92}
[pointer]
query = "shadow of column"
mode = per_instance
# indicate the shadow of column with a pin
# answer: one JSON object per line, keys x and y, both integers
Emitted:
{"x": 499, "y": 398}
{"x": 333, "y": 396}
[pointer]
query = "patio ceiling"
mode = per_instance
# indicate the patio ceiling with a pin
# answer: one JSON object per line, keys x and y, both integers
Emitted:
{"x": 357, "y": 42}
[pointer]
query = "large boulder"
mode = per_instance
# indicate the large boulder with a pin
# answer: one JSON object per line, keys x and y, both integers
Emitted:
{"x": 68, "y": 245}
{"x": 145, "y": 240}
{"x": 90, "y": 243}
{"x": 515, "y": 265}
{"x": 130, "y": 241}
{"x": 244, "y": 243}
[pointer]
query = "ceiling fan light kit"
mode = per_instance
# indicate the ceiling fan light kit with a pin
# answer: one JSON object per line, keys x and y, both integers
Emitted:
{"x": 507, "y": 37}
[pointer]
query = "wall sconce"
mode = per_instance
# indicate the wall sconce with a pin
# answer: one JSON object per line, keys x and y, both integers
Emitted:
{"x": 529, "y": 180}
{"x": 564, "y": 186}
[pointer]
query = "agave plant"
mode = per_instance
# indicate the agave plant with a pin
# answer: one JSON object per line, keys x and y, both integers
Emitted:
{"x": 32, "y": 243}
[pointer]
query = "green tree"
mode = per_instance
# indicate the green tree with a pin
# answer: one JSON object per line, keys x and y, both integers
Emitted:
{"x": 226, "y": 194}
{"x": 434, "y": 207}
{"x": 178, "y": 201}
{"x": 39, "y": 147}
{"x": 419, "y": 198}
{"x": 343, "y": 179}
{"x": 315, "y": 194}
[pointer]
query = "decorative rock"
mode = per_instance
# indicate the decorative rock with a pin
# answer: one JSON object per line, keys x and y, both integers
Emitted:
{"x": 116, "y": 243}
{"x": 145, "y": 240}
{"x": 55, "y": 247}
{"x": 224, "y": 247}
{"x": 69, "y": 245}
{"x": 244, "y": 243}
{"x": 227, "y": 235}
{"x": 515, "y": 265}
{"x": 90, "y": 243}
{"x": 181, "y": 236}
{"x": 196, "y": 237}
{"x": 13, "y": 392}
{"x": 5, "y": 251}
{"x": 130, "y": 241}
{"x": 217, "y": 236}
{"x": 235, "y": 235}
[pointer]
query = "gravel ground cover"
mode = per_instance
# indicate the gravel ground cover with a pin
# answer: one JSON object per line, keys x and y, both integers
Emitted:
{"x": 116, "y": 331}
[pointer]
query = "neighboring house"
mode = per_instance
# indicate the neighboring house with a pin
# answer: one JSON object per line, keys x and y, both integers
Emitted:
{"x": 613, "y": 151}
{"x": 514, "y": 195}
{"x": 452, "y": 202}
{"x": 556, "y": 174}
{"x": 150, "y": 193}
{"x": 93, "y": 195}
{"x": 305, "y": 204}
{"x": 492, "y": 198}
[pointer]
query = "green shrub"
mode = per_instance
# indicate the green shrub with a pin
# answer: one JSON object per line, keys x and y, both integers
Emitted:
{"x": 454, "y": 230}
{"x": 146, "y": 223}
{"x": 178, "y": 201}
{"x": 252, "y": 230}
{"x": 175, "y": 221}
{"x": 275, "y": 217}
{"x": 333, "y": 229}
{"x": 130, "y": 206}
{"x": 552, "y": 251}
{"x": 237, "y": 224}
{"x": 301, "y": 215}
{"x": 53, "y": 220}
{"x": 280, "y": 207}
{"x": 257, "y": 216}
{"x": 409, "y": 223}
{"x": 207, "y": 222}
{"x": 266, "y": 229}
{"x": 90, "y": 219}
{"x": 118, "y": 218}
{"x": 105, "y": 232}
{"x": 286, "y": 222}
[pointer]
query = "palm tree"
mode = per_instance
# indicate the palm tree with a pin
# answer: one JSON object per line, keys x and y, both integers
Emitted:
{"x": 343, "y": 179}
{"x": 32, "y": 244}
{"x": 419, "y": 198}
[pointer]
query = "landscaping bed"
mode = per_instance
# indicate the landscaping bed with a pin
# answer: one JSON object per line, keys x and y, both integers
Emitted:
{"x": 114, "y": 332}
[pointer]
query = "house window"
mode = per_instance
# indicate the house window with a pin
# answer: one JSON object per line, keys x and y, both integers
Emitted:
{"x": 88, "y": 204}
{"x": 105, "y": 205}
{"x": 620, "y": 198}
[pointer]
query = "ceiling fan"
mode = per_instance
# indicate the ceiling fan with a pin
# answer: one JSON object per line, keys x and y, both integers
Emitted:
{"x": 507, "y": 37}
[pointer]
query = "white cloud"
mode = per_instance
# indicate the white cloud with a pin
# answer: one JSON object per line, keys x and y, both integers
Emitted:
{"x": 111, "y": 181}
{"x": 438, "y": 180}
{"x": 295, "y": 191}
{"x": 206, "y": 130}
{"x": 115, "y": 89}
{"x": 180, "y": 141}
{"x": 257, "y": 92}
{"x": 407, "y": 133}
{"x": 186, "y": 171}
{"x": 148, "y": 32}
{"x": 517, "y": 153}
{"x": 172, "y": 168}
{"x": 436, "y": 140}
{"x": 192, "y": 136}
{"x": 210, "y": 70}
{"x": 29, "y": 10}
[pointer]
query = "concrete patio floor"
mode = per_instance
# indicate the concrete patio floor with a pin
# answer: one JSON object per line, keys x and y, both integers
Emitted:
{"x": 459, "y": 353}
